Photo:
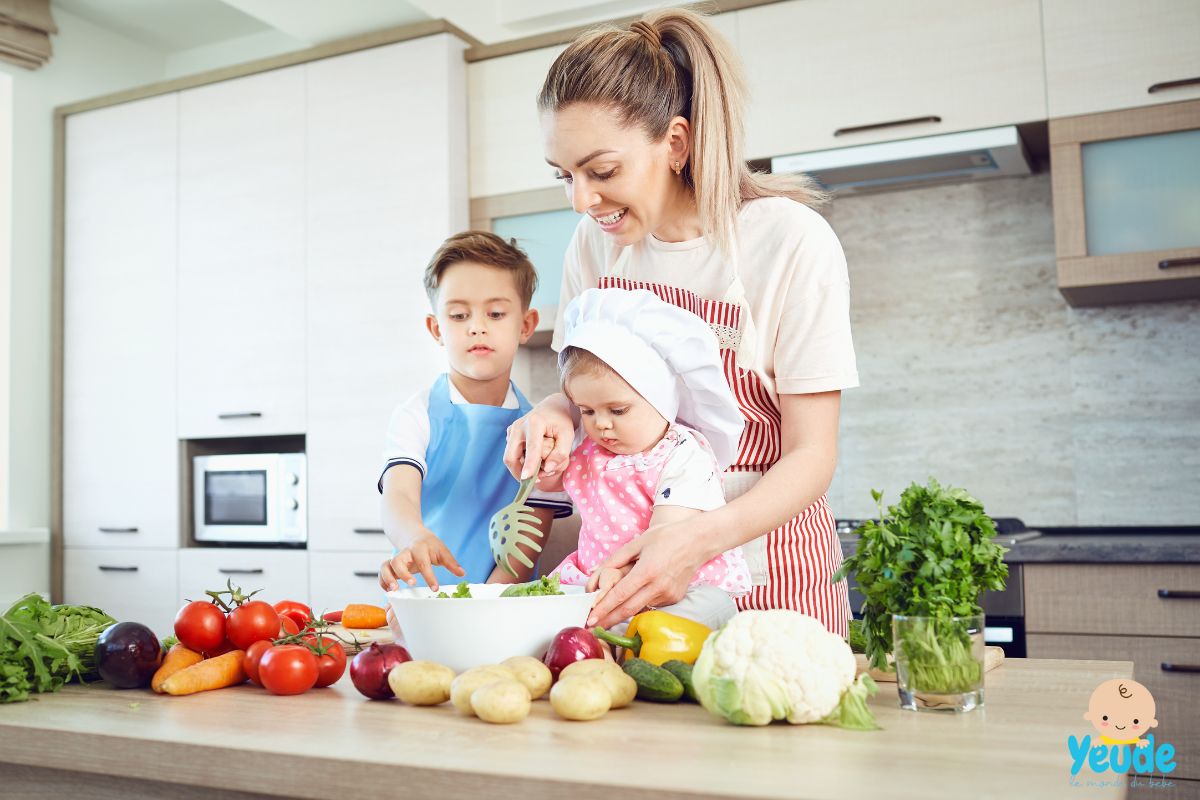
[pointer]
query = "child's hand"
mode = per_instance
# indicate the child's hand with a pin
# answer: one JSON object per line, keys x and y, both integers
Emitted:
{"x": 602, "y": 580}
{"x": 549, "y": 483}
{"x": 420, "y": 557}
{"x": 500, "y": 575}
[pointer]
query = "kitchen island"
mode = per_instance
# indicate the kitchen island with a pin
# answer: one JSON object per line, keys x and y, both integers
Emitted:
{"x": 243, "y": 742}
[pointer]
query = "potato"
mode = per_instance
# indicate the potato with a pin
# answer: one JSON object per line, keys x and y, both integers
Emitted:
{"x": 421, "y": 683}
{"x": 621, "y": 687}
{"x": 531, "y": 672}
{"x": 472, "y": 679}
{"x": 501, "y": 702}
{"x": 582, "y": 697}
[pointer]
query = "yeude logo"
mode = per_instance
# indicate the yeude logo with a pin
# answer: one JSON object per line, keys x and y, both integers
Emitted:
{"x": 1121, "y": 711}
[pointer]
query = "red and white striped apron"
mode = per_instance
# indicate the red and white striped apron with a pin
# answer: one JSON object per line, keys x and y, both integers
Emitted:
{"x": 791, "y": 566}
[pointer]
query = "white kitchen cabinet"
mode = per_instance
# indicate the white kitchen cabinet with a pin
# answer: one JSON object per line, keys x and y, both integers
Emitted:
{"x": 1103, "y": 55}
{"x": 336, "y": 579}
{"x": 386, "y": 184}
{"x": 120, "y": 454}
{"x": 505, "y": 135}
{"x": 279, "y": 574}
{"x": 820, "y": 69}
{"x": 241, "y": 256}
{"x": 130, "y": 585}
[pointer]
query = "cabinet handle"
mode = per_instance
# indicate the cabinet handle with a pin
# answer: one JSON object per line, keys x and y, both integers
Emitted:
{"x": 107, "y": 568}
{"x": 240, "y": 571}
{"x": 1179, "y": 262}
{"x": 118, "y": 530}
{"x": 240, "y": 415}
{"x": 1158, "y": 87}
{"x": 359, "y": 573}
{"x": 370, "y": 531}
{"x": 878, "y": 125}
{"x": 1178, "y": 594}
{"x": 1168, "y": 667}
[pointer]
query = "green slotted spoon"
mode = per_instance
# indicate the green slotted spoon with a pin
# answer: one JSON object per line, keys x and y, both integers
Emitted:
{"x": 512, "y": 526}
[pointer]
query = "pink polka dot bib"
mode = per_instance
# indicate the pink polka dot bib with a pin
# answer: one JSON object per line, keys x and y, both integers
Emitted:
{"x": 614, "y": 495}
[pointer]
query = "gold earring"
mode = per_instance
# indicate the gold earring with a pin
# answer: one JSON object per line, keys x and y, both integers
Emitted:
{"x": 677, "y": 167}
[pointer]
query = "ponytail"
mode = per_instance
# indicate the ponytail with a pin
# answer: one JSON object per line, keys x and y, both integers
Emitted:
{"x": 673, "y": 63}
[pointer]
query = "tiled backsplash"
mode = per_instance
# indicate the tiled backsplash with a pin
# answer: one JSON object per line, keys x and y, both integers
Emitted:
{"x": 975, "y": 370}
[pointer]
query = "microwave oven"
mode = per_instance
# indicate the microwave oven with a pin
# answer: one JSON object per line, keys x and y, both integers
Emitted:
{"x": 253, "y": 497}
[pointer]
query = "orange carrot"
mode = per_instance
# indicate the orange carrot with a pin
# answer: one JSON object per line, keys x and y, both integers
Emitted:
{"x": 362, "y": 615}
{"x": 211, "y": 673}
{"x": 178, "y": 658}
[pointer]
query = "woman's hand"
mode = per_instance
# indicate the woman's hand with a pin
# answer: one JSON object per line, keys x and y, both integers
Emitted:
{"x": 664, "y": 560}
{"x": 550, "y": 420}
{"x": 419, "y": 557}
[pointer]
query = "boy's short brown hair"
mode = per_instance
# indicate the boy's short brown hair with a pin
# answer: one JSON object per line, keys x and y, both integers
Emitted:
{"x": 488, "y": 249}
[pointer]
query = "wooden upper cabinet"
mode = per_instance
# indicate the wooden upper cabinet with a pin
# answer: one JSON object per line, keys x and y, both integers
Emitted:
{"x": 829, "y": 73}
{"x": 241, "y": 256}
{"x": 1126, "y": 190}
{"x": 1103, "y": 55}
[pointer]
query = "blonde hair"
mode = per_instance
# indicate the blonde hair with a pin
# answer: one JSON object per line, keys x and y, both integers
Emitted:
{"x": 488, "y": 249}
{"x": 576, "y": 360}
{"x": 673, "y": 63}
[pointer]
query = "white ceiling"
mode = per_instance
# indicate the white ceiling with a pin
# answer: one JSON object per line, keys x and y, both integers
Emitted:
{"x": 173, "y": 26}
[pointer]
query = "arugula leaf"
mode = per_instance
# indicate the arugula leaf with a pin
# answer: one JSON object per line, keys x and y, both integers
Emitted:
{"x": 43, "y": 646}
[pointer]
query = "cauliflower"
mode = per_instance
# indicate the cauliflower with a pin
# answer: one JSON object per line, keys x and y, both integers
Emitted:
{"x": 768, "y": 665}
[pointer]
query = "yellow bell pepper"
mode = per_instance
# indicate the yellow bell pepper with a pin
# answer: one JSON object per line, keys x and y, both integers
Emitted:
{"x": 657, "y": 637}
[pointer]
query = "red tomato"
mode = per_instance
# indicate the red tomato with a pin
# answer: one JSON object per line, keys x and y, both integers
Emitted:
{"x": 332, "y": 663}
{"x": 254, "y": 659}
{"x": 224, "y": 647}
{"x": 288, "y": 625}
{"x": 288, "y": 669}
{"x": 250, "y": 622}
{"x": 200, "y": 626}
{"x": 297, "y": 611}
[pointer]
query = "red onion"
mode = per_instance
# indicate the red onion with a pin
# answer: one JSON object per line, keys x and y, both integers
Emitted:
{"x": 369, "y": 669}
{"x": 571, "y": 645}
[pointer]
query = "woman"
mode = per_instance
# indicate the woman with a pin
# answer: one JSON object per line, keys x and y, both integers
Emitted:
{"x": 644, "y": 127}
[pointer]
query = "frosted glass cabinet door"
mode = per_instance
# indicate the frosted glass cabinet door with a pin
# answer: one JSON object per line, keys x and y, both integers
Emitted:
{"x": 544, "y": 236}
{"x": 1142, "y": 193}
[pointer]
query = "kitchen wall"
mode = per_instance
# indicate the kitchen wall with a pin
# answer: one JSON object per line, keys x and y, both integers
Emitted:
{"x": 974, "y": 370}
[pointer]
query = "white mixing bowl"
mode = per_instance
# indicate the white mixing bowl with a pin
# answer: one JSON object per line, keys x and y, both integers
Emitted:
{"x": 486, "y": 628}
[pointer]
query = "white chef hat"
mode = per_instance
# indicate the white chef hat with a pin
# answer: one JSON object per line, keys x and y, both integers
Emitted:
{"x": 667, "y": 354}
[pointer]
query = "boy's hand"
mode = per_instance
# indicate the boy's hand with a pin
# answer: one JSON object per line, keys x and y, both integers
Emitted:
{"x": 500, "y": 575}
{"x": 420, "y": 557}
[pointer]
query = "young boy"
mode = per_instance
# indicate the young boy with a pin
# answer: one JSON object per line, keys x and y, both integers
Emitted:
{"x": 445, "y": 474}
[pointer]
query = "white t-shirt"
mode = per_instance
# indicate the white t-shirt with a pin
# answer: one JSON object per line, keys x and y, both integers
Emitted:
{"x": 794, "y": 272}
{"x": 689, "y": 476}
{"x": 408, "y": 440}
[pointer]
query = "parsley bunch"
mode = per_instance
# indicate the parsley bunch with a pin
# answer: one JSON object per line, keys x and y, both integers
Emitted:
{"x": 933, "y": 554}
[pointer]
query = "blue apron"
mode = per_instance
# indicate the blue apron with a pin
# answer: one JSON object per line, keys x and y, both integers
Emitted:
{"x": 466, "y": 481}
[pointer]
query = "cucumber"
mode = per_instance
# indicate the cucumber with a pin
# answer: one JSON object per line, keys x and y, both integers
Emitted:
{"x": 653, "y": 683}
{"x": 683, "y": 671}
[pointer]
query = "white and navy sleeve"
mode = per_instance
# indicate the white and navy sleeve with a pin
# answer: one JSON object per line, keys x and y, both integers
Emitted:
{"x": 560, "y": 502}
{"x": 407, "y": 435}
{"x": 690, "y": 478}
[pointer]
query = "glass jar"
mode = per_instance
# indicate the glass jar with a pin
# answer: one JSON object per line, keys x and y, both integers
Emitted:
{"x": 939, "y": 662}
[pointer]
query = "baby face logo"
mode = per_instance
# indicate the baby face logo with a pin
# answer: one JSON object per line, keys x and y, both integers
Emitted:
{"x": 1121, "y": 711}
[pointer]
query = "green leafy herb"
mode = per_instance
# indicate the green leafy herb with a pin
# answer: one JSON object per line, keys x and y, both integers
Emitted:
{"x": 43, "y": 646}
{"x": 463, "y": 590}
{"x": 932, "y": 554}
{"x": 857, "y": 638}
{"x": 545, "y": 585}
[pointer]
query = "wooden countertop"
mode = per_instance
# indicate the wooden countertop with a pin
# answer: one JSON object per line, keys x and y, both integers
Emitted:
{"x": 333, "y": 742}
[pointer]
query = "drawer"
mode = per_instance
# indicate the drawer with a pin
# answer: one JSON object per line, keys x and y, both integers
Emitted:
{"x": 1176, "y": 694}
{"x": 340, "y": 578}
{"x": 1112, "y": 599}
{"x": 130, "y": 585}
{"x": 279, "y": 574}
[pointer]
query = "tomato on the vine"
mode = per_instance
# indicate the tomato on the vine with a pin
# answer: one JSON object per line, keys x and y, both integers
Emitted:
{"x": 200, "y": 626}
{"x": 254, "y": 658}
{"x": 288, "y": 625}
{"x": 331, "y": 664}
{"x": 297, "y": 611}
{"x": 288, "y": 669}
{"x": 250, "y": 622}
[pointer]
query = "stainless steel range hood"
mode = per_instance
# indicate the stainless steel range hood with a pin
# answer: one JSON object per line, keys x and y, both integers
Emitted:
{"x": 950, "y": 157}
